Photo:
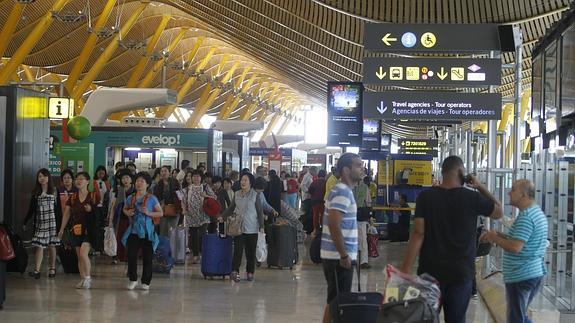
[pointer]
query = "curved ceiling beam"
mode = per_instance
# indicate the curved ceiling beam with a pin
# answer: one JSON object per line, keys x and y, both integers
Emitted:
{"x": 9, "y": 26}
{"x": 29, "y": 43}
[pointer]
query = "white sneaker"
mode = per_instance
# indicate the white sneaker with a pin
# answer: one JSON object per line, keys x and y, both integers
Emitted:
{"x": 131, "y": 285}
{"x": 87, "y": 283}
{"x": 145, "y": 287}
{"x": 80, "y": 285}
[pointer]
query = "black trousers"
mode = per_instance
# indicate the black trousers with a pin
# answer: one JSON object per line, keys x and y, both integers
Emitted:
{"x": 2, "y": 281}
{"x": 134, "y": 245}
{"x": 249, "y": 243}
{"x": 196, "y": 235}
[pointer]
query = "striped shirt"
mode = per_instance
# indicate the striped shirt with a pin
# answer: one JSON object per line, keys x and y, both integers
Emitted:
{"x": 340, "y": 199}
{"x": 531, "y": 228}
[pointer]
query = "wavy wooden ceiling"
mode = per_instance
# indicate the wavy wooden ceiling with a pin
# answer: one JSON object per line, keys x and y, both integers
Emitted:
{"x": 299, "y": 44}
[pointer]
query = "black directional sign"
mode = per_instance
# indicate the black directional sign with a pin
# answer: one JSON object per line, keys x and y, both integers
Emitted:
{"x": 431, "y": 152}
{"x": 417, "y": 144}
{"x": 431, "y": 37}
{"x": 431, "y": 71}
{"x": 420, "y": 105}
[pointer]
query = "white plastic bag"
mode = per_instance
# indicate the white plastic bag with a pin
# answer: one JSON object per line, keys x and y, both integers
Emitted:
{"x": 261, "y": 249}
{"x": 401, "y": 287}
{"x": 110, "y": 243}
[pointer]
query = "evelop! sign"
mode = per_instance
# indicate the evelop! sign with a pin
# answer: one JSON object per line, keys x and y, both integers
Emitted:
{"x": 161, "y": 140}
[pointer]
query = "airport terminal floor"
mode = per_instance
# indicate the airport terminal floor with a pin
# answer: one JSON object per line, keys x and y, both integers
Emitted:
{"x": 276, "y": 295}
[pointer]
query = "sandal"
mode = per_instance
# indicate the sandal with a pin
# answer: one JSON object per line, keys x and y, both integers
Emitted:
{"x": 52, "y": 273}
{"x": 35, "y": 274}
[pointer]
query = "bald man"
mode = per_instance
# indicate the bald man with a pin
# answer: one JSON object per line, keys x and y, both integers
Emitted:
{"x": 523, "y": 251}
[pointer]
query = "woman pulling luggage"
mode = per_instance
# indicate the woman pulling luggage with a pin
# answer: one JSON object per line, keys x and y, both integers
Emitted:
{"x": 44, "y": 209}
{"x": 195, "y": 218}
{"x": 80, "y": 211}
{"x": 165, "y": 191}
{"x": 141, "y": 207}
{"x": 116, "y": 218}
{"x": 246, "y": 210}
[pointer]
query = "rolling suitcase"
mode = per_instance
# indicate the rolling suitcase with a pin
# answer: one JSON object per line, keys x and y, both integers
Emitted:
{"x": 282, "y": 246}
{"x": 178, "y": 243}
{"x": 356, "y": 307}
{"x": 19, "y": 263}
{"x": 163, "y": 262}
{"x": 68, "y": 259}
{"x": 216, "y": 255}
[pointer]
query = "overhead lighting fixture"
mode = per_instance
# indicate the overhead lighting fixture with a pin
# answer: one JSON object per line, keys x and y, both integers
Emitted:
{"x": 25, "y": 1}
{"x": 132, "y": 44}
{"x": 69, "y": 17}
{"x": 106, "y": 32}
{"x": 132, "y": 149}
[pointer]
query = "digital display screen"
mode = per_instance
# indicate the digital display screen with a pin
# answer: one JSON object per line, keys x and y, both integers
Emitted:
{"x": 371, "y": 135}
{"x": 344, "y": 108}
{"x": 385, "y": 142}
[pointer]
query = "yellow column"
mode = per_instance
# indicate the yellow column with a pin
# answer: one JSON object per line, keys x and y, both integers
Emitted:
{"x": 29, "y": 43}
{"x": 271, "y": 125}
{"x": 28, "y": 73}
{"x": 107, "y": 54}
{"x": 9, "y": 27}
{"x": 202, "y": 107}
{"x": 137, "y": 73}
{"x": 88, "y": 47}
{"x": 230, "y": 98}
{"x": 249, "y": 109}
{"x": 183, "y": 91}
{"x": 158, "y": 65}
{"x": 233, "y": 102}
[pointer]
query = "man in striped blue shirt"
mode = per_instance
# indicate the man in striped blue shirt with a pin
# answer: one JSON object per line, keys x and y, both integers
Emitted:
{"x": 339, "y": 234}
{"x": 524, "y": 248}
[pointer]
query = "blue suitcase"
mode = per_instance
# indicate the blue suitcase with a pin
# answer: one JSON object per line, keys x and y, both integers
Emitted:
{"x": 163, "y": 262}
{"x": 216, "y": 255}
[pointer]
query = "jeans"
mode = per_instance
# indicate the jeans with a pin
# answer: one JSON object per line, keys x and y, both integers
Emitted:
{"x": 291, "y": 200}
{"x": 519, "y": 295}
{"x": 135, "y": 244}
{"x": 249, "y": 243}
{"x": 455, "y": 299}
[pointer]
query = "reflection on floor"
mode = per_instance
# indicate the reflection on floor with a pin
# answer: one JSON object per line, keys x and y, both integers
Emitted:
{"x": 184, "y": 296}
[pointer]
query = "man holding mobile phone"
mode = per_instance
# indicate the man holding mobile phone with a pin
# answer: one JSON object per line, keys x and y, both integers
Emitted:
{"x": 444, "y": 234}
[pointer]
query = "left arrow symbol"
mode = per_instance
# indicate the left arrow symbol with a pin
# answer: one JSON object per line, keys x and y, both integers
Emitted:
{"x": 381, "y": 108}
{"x": 380, "y": 73}
{"x": 387, "y": 39}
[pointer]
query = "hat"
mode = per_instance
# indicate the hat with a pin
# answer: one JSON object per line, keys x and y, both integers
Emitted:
{"x": 211, "y": 206}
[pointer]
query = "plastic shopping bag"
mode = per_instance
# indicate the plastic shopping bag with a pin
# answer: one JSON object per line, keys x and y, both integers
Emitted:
{"x": 261, "y": 249}
{"x": 110, "y": 243}
{"x": 401, "y": 287}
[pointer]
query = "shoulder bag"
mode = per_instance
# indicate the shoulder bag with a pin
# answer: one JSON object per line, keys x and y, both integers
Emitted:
{"x": 234, "y": 225}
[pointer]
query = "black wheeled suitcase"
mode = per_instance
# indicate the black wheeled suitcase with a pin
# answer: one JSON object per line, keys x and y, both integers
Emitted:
{"x": 282, "y": 246}
{"x": 356, "y": 307}
{"x": 19, "y": 263}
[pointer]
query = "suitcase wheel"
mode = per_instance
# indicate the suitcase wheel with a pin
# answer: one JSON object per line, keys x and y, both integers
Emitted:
{"x": 269, "y": 266}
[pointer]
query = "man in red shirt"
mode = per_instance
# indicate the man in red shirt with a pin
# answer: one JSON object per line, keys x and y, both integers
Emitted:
{"x": 317, "y": 191}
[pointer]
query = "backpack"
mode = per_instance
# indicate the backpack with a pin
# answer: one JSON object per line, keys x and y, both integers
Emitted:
{"x": 156, "y": 220}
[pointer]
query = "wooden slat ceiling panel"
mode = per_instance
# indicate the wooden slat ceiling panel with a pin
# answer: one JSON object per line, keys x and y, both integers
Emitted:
{"x": 299, "y": 43}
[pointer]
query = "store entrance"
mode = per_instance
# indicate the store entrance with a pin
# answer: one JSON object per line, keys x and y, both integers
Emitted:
{"x": 146, "y": 158}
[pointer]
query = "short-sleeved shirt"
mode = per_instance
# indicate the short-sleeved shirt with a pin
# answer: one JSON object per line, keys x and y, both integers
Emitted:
{"x": 531, "y": 228}
{"x": 340, "y": 199}
{"x": 291, "y": 186}
{"x": 140, "y": 221}
{"x": 449, "y": 246}
{"x": 77, "y": 208}
{"x": 329, "y": 184}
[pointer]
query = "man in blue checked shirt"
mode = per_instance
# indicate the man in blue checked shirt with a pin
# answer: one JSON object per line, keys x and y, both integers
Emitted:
{"x": 524, "y": 248}
{"x": 339, "y": 235}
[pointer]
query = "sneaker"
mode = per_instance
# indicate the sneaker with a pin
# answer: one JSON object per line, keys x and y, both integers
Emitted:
{"x": 80, "y": 285}
{"x": 235, "y": 276}
{"x": 131, "y": 285}
{"x": 145, "y": 287}
{"x": 195, "y": 259}
{"x": 114, "y": 261}
{"x": 250, "y": 277}
{"x": 474, "y": 296}
{"x": 365, "y": 266}
{"x": 87, "y": 283}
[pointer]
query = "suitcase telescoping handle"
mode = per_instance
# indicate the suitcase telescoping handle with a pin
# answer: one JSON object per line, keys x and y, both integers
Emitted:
{"x": 358, "y": 274}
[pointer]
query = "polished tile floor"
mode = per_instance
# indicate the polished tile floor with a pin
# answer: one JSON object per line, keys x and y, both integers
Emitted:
{"x": 296, "y": 295}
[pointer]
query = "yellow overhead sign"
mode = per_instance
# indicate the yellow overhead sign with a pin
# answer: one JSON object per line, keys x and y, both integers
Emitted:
{"x": 419, "y": 171}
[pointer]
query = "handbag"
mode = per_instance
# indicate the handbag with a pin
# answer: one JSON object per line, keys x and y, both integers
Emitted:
{"x": 6, "y": 249}
{"x": 110, "y": 242}
{"x": 483, "y": 247}
{"x": 415, "y": 310}
{"x": 234, "y": 225}
{"x": 170, "y": 210}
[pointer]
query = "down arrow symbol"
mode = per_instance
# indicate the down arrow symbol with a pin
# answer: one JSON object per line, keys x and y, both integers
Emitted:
{"x": 381, "y": 108}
